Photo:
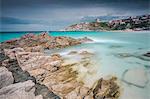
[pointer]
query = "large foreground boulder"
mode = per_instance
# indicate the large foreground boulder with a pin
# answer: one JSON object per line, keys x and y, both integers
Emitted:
{"x": 6, "y": 77}
{"x": 22, "y": 90}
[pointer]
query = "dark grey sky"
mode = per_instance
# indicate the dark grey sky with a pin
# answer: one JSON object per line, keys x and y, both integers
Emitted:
{"x": 56, "y": 14}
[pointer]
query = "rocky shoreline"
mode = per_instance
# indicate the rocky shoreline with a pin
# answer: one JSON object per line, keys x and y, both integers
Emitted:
{"x": 26, "y": 72}
{"x": 136, "y": 23}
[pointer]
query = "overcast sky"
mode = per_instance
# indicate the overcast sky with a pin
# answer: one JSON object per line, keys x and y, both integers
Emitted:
{"x": 23, "y": 15}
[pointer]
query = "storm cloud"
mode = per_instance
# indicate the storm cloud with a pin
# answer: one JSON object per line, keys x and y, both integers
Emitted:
{"x": 56, "y": 14}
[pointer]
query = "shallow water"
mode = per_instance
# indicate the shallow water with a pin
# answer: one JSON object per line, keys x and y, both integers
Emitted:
{"x": 115, "y": 53}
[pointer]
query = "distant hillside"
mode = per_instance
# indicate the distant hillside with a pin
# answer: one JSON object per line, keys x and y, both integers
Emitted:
{"x": 92, "y": 26}
{"x": 136, "y": 23}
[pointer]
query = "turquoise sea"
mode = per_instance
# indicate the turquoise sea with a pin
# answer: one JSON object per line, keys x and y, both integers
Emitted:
{"x": 116, "y": 53}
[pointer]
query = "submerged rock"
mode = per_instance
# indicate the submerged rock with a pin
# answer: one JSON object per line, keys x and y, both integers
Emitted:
{"x": 147, "y": 54}
{"x": 144, "y": 57}
{"x": 72, "y": 52}
{"x": 123, "y": 55}
{"x": 115, "y": 46}
{"x": 136, "y": 77}
{"x": 86, "y": 53}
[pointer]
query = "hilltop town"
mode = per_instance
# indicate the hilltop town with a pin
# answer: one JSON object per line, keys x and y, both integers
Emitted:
{"x": 135, "y": 23}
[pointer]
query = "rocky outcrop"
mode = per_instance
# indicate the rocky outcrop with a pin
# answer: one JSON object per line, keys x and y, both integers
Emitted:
{"x": 63, "y": 77}
{"x": 37, "y": 43}
{"x": 52, "y": 76}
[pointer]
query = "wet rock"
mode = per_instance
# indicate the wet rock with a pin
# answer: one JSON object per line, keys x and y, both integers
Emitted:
{"x": 106, "y": 89}
{"x": 136, "y": 77}
{"x": 6, "y": 77}
{"x": 147, "y": 54}
{"x": 79, "y": 93}
{"x": 64, "y": 89}
{"x": 85, "y": 39}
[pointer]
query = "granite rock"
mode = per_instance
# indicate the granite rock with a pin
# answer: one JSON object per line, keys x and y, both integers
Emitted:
{"x": 6, "y": 77}
{"x": 22, "y": 90}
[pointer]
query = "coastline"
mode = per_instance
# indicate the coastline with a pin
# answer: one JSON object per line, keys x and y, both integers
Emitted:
{"x": 79, "y": 69}
{"x": 132, "y": 31}
{"x": 64, "y": 77}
